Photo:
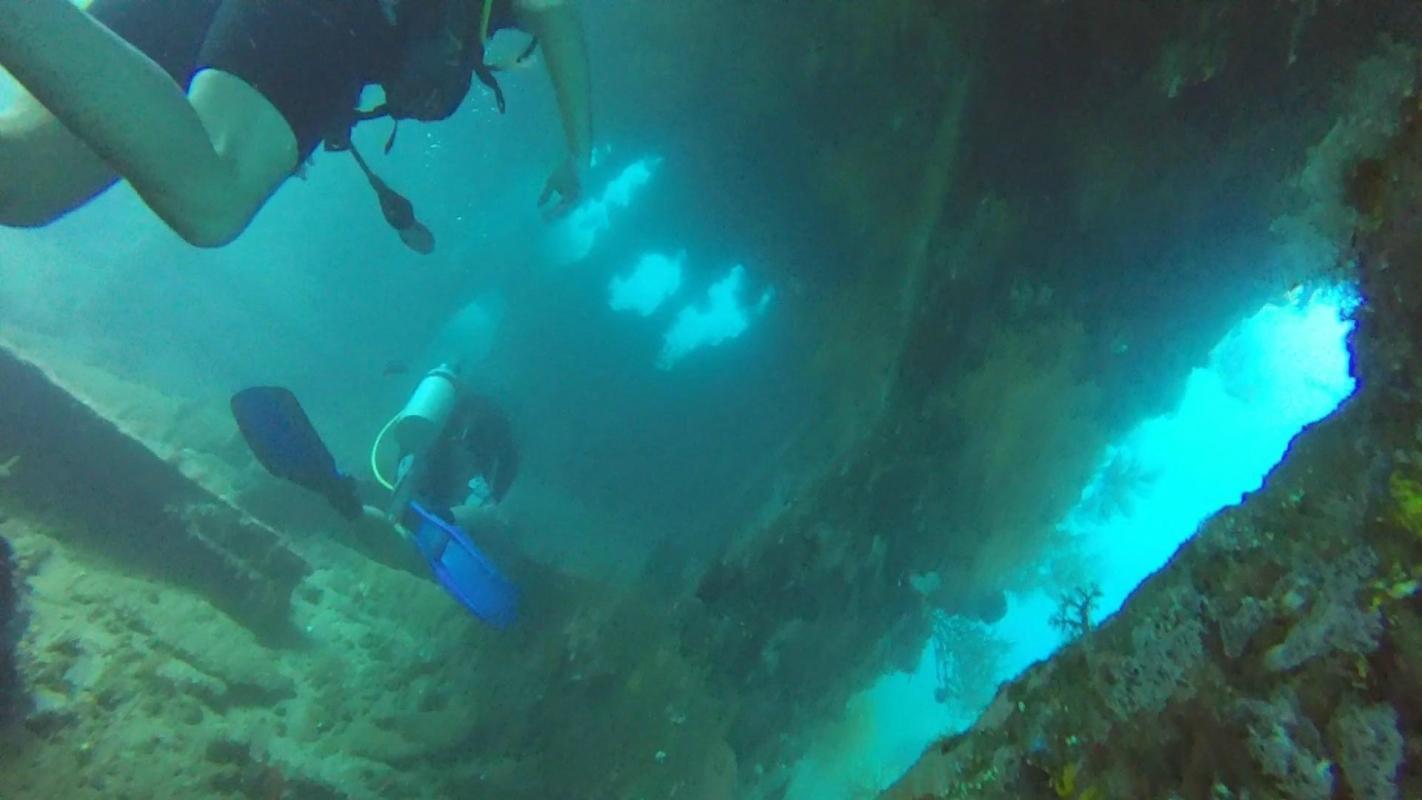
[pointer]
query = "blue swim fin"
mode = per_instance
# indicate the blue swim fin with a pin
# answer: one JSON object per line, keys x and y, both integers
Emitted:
{"x": 462, "y": 569}
{"x": 286, "y": 443}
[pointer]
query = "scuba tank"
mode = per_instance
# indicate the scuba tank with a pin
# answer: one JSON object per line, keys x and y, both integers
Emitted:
{"x": 426, "y": 413}
{"x": 416, "y": 429}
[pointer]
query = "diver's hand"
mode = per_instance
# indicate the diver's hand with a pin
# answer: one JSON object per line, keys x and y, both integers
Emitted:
{"x": 567, "y": 183}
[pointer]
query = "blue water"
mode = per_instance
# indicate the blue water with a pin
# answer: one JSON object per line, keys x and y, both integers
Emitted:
{"x": 319, "y": 295}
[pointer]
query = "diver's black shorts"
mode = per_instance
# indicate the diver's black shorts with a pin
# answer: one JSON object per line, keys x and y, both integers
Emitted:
{"x": 309, "y": 58}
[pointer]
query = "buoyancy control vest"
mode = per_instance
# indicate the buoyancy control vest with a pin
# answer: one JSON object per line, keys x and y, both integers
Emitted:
{"x": 442, "y": 50}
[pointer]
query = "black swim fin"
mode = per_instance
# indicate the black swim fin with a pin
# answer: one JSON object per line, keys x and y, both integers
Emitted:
{"x": 286, "y": 443}
{"x": 397, "y": 209}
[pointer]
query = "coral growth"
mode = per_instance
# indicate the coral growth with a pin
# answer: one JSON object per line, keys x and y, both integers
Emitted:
{"x": 1286, "y": 746}
{"x": 966, "y": 657}
{"x": 1074, "y": 609}
{"x": 1159, "y": 665}
{"x": 1333, "y": 622}
{"x": 1370, "y": 750}
{"x": 1237, "y": 629}
{"x": 1030, "y": 395}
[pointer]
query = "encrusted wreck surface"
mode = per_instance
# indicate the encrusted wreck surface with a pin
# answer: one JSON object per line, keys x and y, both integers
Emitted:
{"x": 69, "y": 461}
{"x": 1279, "y": 654}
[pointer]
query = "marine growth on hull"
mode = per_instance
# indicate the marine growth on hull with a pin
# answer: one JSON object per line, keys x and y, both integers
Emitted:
{"x": 795, "y": 401}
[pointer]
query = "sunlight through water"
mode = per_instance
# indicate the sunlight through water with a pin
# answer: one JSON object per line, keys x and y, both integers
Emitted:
{"x": 1274, "y": 373}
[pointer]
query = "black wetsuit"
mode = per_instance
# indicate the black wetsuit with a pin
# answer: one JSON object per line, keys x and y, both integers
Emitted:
{"x": 309, "y": 58}
{"x": 478, "y": 442}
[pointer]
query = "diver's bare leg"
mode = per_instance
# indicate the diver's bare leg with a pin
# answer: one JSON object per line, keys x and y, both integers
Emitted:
{"x": 45, "y": 171}
{"x": 204, "y": 162}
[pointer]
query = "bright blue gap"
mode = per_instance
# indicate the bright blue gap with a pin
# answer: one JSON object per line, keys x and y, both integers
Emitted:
{"x": 1276, "y": 372}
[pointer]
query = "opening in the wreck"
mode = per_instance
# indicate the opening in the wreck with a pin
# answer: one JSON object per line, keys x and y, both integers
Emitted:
{"x": 1277, "y": 371}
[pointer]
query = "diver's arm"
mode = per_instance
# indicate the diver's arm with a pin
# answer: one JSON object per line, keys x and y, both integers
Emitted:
{"x": 559, "y": 29}
{"x": 205, "y": 166}
{"x": 560, "y": 33}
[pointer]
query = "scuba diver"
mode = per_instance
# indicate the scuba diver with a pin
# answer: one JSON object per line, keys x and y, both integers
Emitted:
{"x": 206, "y": 106}
{"x": 447, "y": 458}
{"x": 470, "y": 461}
